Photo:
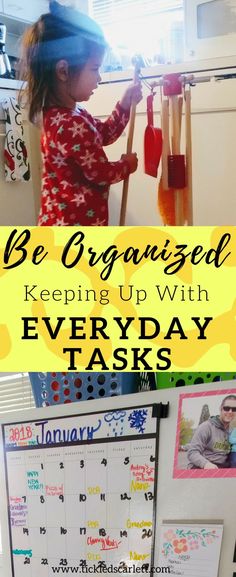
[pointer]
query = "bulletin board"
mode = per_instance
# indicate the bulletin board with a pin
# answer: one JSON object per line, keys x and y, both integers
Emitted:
{"x": 81, "y": 490}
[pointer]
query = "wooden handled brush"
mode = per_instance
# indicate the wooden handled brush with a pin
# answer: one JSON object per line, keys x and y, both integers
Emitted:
{"x": 125, "y": 189}
{"x": 171, "y": 204}
{"x": 176, "y": 114}
{"x": 188, "y": 137}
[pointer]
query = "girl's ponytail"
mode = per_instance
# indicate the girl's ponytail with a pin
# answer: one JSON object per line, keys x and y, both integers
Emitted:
{"x": 35, "y": 69}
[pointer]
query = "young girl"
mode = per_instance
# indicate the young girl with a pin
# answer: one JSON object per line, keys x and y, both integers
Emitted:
{"x": 62, "y": 54}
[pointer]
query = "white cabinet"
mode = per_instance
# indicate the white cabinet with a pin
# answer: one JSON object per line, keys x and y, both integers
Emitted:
{"x": 29, "y": 11}
{"x": 23, "y": 9}
{"x": 82, "y": 5}
{"x": 210, "y": 28}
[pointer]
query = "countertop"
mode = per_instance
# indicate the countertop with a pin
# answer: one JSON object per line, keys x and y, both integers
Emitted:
{"x": 209, "y": 64}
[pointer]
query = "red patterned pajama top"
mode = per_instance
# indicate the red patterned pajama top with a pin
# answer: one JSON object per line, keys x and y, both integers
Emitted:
{"x": 76, "y": 171}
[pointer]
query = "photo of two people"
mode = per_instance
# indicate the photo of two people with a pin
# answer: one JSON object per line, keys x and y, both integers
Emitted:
{"x": 206, "y": 435}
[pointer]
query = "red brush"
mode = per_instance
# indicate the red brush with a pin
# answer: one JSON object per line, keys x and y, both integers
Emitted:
{"x": 176, "y": 171}
{"x": 152, "y": 142}
{"x": 176, "y": 161}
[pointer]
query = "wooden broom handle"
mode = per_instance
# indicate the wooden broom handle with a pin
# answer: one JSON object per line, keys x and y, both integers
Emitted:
{"x": 175, "y": 139}
{"x": 129, "y": 147}
{"x": 176, "y": 150}
{"x": 188, "y": 135}
{"x": 166, "y": 142}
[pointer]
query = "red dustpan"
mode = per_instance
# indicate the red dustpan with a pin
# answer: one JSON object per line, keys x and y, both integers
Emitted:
{"x": 152, "y": 142}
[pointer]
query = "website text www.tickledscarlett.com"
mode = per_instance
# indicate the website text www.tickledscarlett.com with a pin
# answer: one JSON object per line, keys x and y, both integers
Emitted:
{"x": 111, "y": 569}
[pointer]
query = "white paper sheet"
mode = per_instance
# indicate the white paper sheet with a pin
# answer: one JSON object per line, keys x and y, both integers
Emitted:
{"x": 190, "y": 550}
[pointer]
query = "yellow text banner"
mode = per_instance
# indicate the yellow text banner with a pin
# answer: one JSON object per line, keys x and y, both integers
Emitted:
{"x": 124, "y": 299}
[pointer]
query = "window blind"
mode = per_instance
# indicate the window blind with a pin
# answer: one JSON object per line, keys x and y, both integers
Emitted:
{"x": 15, "y": 392}
{"x": 110, "y": 11}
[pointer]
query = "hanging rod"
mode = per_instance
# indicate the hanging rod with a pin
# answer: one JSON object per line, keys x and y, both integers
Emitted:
{"x": 223, "y": 74}
{"x": 192, "y": 80}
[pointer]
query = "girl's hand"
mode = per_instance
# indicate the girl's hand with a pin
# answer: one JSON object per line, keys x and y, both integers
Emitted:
{"x": 132, "y": 161}
{"x": 132, "y": 94}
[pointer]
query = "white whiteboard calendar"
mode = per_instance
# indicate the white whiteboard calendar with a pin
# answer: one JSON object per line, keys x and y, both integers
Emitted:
{"x": 81, "y": 491}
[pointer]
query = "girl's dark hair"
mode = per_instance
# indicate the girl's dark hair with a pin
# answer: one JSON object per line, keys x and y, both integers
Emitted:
{"x": 63, "y": 33}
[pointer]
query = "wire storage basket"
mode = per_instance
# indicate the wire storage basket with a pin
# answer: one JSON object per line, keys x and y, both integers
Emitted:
{"x": 57, "y": 388}
{"x": 167, "y": 380}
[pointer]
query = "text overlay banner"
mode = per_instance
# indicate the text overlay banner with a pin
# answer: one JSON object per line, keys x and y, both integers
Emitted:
{"x": 124, "y": 299}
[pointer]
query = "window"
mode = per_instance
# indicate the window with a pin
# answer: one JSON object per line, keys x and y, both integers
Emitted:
{"x": 15, "y": 394}
{"x": 152, "y": 28}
